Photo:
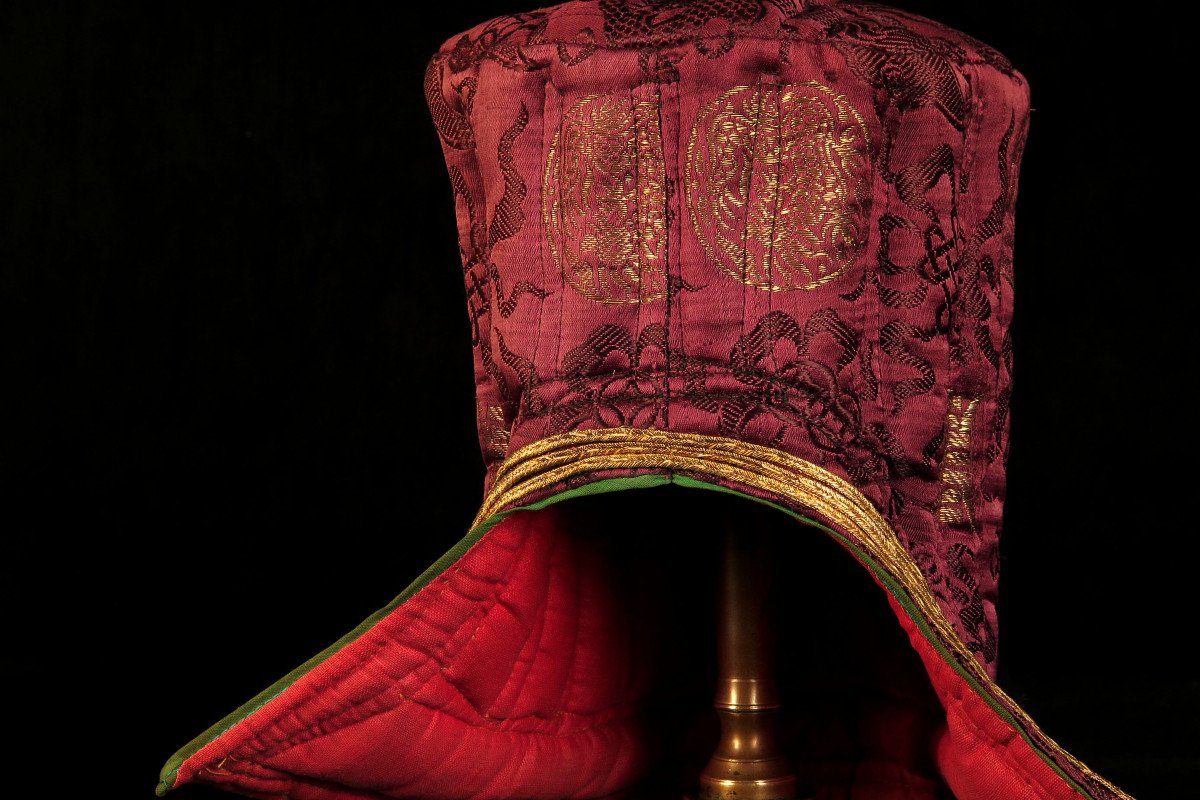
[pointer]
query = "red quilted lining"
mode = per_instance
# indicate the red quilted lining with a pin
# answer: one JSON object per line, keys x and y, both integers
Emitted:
{"x": 553, "y": 661}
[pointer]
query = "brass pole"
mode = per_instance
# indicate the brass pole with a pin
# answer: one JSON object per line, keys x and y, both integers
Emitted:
{"x": 747, "y": 764}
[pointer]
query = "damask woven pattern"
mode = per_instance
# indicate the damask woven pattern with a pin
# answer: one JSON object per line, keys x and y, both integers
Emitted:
{"x": 761, "y": 247}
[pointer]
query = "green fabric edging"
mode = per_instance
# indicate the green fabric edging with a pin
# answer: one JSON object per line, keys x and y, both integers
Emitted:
{"x": 171, "y": 768}
{"x": 643, "y": 481}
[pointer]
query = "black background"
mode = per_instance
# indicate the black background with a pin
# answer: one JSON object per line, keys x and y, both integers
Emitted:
{"x": 238, "y": 388}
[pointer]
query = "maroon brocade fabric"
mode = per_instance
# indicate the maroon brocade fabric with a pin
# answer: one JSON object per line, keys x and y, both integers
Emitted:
{"x": 753, "y": 246}
{"x": 787, "y": 223}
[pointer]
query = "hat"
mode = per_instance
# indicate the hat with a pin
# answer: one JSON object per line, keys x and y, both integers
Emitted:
{"x": 756, "y": 247}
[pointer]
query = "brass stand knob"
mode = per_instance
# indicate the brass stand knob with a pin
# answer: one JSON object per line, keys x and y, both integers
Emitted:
{"x": 747, "y": 764}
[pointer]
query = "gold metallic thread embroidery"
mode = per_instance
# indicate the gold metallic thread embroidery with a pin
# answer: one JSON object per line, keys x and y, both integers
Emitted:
{"x": 955, "y": 501}
{"x": 496, "y": 433}
{"x": 778, "y": 178}
{"x": 603, "y": 199}
{"x": 556, "y": 458}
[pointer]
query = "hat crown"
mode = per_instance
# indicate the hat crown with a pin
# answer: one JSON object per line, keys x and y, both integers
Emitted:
{"x": 785, "y": 223}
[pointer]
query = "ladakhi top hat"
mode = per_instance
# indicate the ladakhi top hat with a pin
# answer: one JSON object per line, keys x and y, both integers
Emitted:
{"x": 762, "y": 247}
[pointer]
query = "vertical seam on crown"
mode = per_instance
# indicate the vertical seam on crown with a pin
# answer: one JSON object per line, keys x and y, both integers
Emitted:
{"x": 956, "y": 385}
{"x": 954, "y": 371}
{"x": 635, "y": 147}
{"x": 673, "y": 287}
{"x": 747, "y": 286}
{"x": 999, "y": 313}
{"x": 952, "y": 385}
{"x": 666, "y": 262}
{"x": 878, "y": 174}
{"x": 1000, "y": 295}
{"x": 989, "y": 404}
{"x": 988, "y": 465}
{"x": 562, "y": 284}
{"x": 778, "y": 153}
{"x": 954, "y": 382}
{"x": 540, "y": 169}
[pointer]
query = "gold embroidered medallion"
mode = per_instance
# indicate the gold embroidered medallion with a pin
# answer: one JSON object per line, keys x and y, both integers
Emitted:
{"x": 603, "y": 199}
{"x": 778, "y": 179}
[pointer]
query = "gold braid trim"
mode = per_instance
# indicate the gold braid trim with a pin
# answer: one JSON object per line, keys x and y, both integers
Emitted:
{"x": 556, "y": 458}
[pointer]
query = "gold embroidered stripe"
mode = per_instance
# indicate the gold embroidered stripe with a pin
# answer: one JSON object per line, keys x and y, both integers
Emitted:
{"x": 958, "y": 490}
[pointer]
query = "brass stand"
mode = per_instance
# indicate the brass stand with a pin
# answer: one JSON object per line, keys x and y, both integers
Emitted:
{"x": 747, "y": 764}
